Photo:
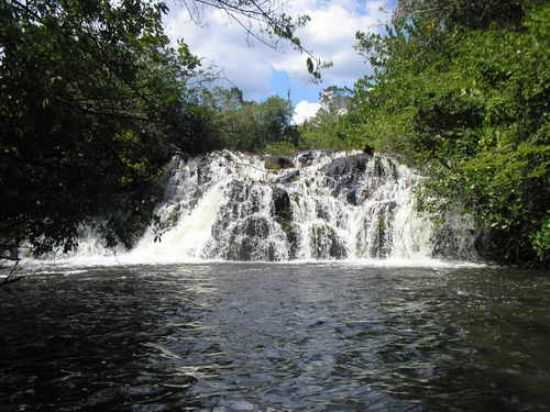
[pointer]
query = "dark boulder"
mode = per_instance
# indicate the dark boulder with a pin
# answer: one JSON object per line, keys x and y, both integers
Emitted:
{"x": 242, "y": 250}
{"x": 281, "y": 205}
{"x": 248, "y": 240}
{"x": 368, "y": 150}
{"x": 357, "y": 196}
{"x": 456, "y": 239}
{"x": 293, "y": 236}
{"x": 255, "y": 226}
{"x": 306, "y": 159}
{"x": 347, "y": 166}
{"x": 289, "y": 177}
{"x": 325, "y": 243}
{"x": 278, "y": 162}
{"x": 344, "y": 175}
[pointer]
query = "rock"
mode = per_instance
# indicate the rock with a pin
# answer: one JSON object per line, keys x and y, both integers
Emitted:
{"x": 351, "y": 197}
{"x": 344, "y": 176}
{"x": 283, "y": 215}
{"x": 457, "y": 240}
{"x": 349, "y": 165}
{"x": 306, "y": 159}
{"x": 322, "y": 210}
{"x": 379, "y": 167}
{"x": 241, "y": 250}
{"x": 356, "y": 196}
{"x": 381, "y": 246}
{"x": 293, "y": 236}
{"x": 368, "y": 150}
{"x": 289, "y": 177}
{"x": 250, "y": 240}
{"x": 256, "y": 226}
{"x": 239, "y": 405}
{"x": 278, "y": 162}
{"x": 281, "y": 206}
{"x": 325, "y": 243}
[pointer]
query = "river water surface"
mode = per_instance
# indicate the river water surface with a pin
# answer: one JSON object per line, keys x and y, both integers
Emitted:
{"x": 261, "y": 337}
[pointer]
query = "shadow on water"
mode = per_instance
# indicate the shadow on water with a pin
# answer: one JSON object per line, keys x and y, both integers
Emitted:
{"x": 230, "y": 337}
{"x": 93, "y": 340}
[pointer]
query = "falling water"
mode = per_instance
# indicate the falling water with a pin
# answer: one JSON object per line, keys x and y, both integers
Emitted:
{"x": 317, "y": 205}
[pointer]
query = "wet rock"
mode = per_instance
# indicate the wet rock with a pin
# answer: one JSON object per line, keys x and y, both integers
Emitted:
{"x": 278, "y": 162}
{"x": 239, "y": 405}
{"x": 293, "y": 237}
{"x": 325, "y": 243}
{"x": 322, "y": 211}
{"x": 256, "y": 226}
{"x": 283, "y": 215}
{"x": 252, "y": 239}
{"x": 356, "y": 196}
{"x": 379, "y": 170}
{"x": 307, "y": 158}
{"x": 488, "y": 245}
{"x": 281, "y": 206}
{"x": 456, "y": 239}
{"x": 381, "y": 246}
{"x": 344, "y": 175}
{"x": 242, "y": 250}
{"x": 289, "y": 177}
{"x": 349, "y": 165}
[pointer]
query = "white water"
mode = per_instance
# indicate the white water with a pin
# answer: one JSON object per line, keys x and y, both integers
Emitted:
{"x": 340, "y": 206}
{"x": 190, "y": 234}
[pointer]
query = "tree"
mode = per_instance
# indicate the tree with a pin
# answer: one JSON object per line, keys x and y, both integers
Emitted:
{"x": 264, "y": 21}
{"x": 460, "y": 14}
{"x": 89, "y": 96}
{"x": 93, "y": 102}
{"x": 460, "y": 90}
{"x": 335, "y": 100}
{"x": 328, "y": 128}
{"x": 247, "y": 125}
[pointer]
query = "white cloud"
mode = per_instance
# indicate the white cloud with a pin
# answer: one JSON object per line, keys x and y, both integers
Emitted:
{"x": 304, "y": 111}
{"x": 331, "y": 35}
{"x": 249, "y": 64}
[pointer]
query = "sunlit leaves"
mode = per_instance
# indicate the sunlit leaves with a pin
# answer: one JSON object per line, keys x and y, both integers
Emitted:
{"x": 467, "y": 101}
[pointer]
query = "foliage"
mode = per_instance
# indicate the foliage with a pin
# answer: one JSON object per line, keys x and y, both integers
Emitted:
{"x": 247, "y": 125}
{"x": 460, "y": 89}
{"x": 264, "y": 21}
{"x": 90, "y": 101}
{"x": 328, "y": 128}
{"x": 541, "y": 241}
{"x": 281, "y": 149}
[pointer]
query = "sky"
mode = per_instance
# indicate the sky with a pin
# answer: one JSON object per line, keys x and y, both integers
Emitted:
{"x": 261, "y": 71}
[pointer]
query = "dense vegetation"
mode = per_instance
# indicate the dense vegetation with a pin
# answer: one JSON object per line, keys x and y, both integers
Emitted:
{"x": 89, "y": 100}
{"x": 461, "y": 90}
{"x": 238, "y": 124}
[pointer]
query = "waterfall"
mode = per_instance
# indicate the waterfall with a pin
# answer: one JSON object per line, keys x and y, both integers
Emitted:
{"x": 316, "y": 205}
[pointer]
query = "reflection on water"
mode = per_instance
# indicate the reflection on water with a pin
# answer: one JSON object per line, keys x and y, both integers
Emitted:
{"x": 230, "y": 337}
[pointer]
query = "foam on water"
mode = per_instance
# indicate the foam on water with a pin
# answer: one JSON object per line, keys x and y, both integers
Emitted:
{"x": 321, "y": 207}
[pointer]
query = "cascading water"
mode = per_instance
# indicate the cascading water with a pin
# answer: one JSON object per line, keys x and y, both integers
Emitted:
{"x": 229, "y": 206}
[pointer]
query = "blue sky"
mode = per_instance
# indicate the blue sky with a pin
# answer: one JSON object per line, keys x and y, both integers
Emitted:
{"x": 261, "y": 71}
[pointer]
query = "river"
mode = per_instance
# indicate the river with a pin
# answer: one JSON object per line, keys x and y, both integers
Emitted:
{"x": 275, "y": 337}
